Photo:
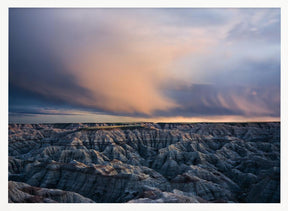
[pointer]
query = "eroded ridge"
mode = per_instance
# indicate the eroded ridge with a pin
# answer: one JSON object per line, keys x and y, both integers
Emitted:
{"x": 144, "y": 162}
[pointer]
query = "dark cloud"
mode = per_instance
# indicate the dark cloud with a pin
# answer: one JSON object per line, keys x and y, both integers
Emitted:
{"x": 35, "y": 73}
{"x": 28, "y": 111}
{"x": 205, "y": 100}
{"x": 248, "y": 72}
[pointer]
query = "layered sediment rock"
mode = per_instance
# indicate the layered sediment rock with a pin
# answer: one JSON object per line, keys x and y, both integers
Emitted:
{"x": 23, "y": 193}
{"x": 147, "y": 162}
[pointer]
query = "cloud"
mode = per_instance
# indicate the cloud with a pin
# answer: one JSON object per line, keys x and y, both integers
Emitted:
{"x": 259, "y": 25}
{"x": 20, "y": 110}
{"x": 146, "y": 62}
{"x": 214, "y": 100}
{"x": 120, "y": 64}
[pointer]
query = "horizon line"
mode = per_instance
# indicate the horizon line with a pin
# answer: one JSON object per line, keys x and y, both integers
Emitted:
{"x": 156, "y": 122}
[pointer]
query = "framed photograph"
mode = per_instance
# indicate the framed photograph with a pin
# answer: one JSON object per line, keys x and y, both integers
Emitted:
{"x": 173, "y": 105}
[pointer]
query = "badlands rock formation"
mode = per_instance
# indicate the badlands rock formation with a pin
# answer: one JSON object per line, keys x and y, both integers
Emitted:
{"x": 22, "y": 193}
{"x": 144, "y": 163}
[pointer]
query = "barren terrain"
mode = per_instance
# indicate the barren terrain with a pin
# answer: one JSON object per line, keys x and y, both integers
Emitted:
{"x": 144, "y": 162}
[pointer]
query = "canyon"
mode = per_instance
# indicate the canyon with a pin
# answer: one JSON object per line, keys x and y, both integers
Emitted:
{"x": 144, "y": 163}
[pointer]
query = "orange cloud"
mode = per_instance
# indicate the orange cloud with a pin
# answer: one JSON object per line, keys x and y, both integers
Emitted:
{"x": 127, "y": 70}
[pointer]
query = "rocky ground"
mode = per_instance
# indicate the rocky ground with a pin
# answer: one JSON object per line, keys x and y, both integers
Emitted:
{"x": 144, "y": 163}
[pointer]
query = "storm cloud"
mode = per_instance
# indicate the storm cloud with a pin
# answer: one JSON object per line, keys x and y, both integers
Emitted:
{"x": 148, "y": 63}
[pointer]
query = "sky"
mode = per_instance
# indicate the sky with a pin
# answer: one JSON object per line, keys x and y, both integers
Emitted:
{"x": 123, "y": 65}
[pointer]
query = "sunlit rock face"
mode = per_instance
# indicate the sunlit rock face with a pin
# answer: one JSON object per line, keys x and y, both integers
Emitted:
{"x": 144, "y": 163}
